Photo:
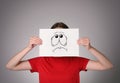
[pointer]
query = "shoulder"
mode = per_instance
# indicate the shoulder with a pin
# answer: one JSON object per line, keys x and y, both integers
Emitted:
{"x": 35, "y": 59}
{"x": 80, "y": 58}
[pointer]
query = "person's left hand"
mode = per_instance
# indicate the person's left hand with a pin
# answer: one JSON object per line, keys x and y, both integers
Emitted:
{"x": 84, "y": 42}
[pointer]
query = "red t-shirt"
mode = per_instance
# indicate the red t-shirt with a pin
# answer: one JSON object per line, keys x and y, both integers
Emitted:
{"x": 58, "y": 69}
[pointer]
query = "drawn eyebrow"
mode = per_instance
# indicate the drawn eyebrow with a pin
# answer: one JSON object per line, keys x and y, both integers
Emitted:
{"x": 58, "y": 32}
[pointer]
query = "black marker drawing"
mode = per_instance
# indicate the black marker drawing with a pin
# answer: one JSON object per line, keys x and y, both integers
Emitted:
{"x": 59, "y": 41}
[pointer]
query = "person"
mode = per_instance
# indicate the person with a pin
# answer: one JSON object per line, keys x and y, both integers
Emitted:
{"x": 59, "y": 69}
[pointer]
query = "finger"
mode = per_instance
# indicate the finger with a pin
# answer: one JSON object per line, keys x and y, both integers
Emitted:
{"x": 38, "y": 41}
{"x": 79, "y": 42}
{"x": 35, "y": 39}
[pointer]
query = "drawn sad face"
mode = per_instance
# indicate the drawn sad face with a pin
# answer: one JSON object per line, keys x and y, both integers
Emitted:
{"x": 59, "y": 41}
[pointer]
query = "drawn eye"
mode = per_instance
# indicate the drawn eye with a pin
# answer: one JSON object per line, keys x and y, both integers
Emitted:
{"x": 63, "y": 39}
{"x": 56, "y": 36}
{"x": 54, "y": 40}
{"x": 60, "y": 35}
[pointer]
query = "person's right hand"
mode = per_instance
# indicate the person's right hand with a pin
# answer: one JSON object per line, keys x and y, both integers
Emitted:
{"x": 34, "y": 41}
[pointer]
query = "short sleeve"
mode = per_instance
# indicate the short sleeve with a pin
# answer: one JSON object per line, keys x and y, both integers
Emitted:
{"x": 34, "y": 64}
{"x": 82, "y": 62}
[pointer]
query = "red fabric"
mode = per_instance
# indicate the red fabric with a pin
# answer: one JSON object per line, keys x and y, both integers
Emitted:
{"x": 58, "y": 69}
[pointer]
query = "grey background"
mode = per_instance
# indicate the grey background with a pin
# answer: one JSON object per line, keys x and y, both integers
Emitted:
{"x": 97, "y": 19}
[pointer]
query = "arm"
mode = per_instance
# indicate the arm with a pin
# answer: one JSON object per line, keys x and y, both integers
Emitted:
{"x": 16, "y": 63}
{"x": 102, "y": 62}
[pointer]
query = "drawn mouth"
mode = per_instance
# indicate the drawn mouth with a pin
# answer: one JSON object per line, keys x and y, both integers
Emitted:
{"x": 59, "y": 48}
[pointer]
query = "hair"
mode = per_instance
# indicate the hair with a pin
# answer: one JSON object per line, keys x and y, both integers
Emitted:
{"x": 60, "y": 24}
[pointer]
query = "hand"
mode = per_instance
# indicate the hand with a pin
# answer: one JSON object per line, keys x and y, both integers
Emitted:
{"x": 34, "y": 41}
{"x": 84, "y": 42}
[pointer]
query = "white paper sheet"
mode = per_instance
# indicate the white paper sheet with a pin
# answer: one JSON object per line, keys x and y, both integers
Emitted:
{"x": 59, "y": 42}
